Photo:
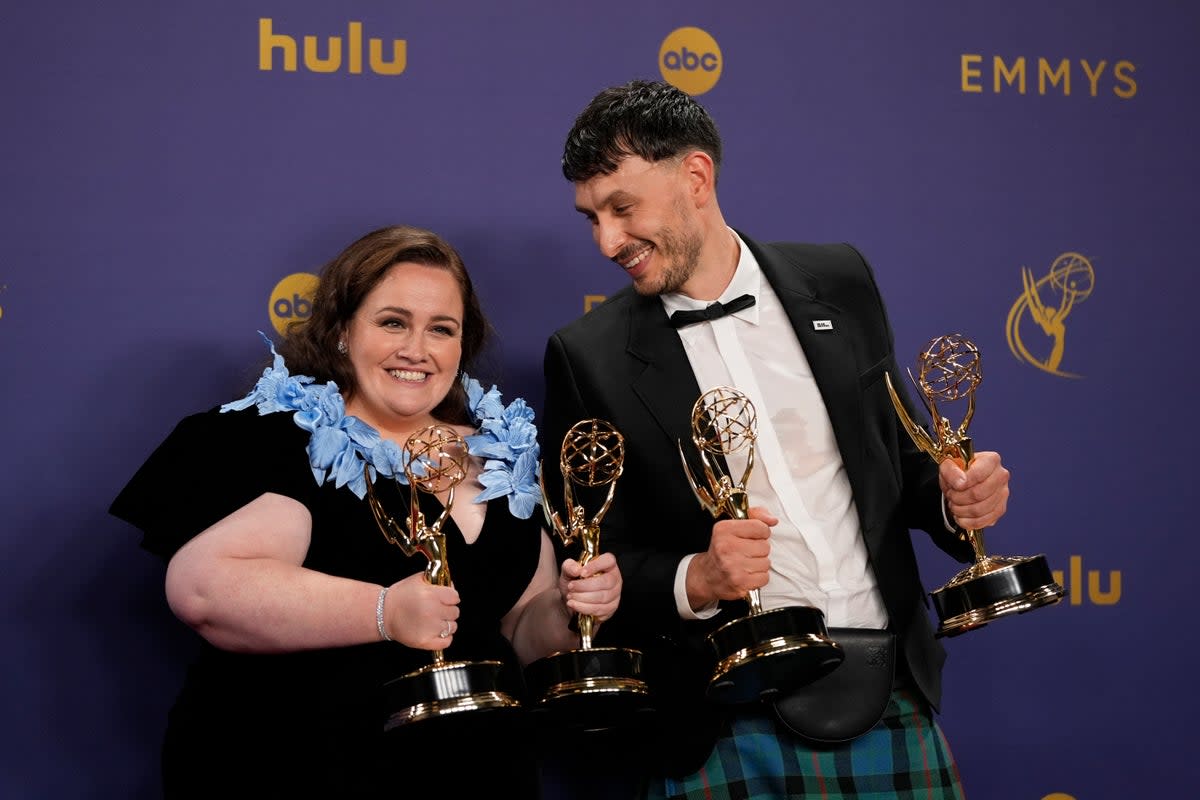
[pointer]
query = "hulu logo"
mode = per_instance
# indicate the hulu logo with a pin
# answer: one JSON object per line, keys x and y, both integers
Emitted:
{"x": 1074, "y": 584}
{"x": 270, "y": 43}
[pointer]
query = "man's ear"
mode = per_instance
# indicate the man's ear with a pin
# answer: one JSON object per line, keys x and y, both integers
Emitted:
{"x": 700, "y": 173}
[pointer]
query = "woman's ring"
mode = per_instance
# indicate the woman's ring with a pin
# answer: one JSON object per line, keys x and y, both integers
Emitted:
{"x": 446, "y": 633}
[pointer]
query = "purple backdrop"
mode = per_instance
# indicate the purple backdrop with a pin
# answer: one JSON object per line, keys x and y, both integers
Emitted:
{"x": 159, "y": 183}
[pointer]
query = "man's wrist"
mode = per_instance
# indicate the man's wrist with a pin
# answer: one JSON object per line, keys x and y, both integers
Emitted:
{"x": 683, "y": 602}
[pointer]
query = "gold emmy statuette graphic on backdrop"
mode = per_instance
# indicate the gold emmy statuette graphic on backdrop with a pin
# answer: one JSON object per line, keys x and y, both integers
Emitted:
{"x": 993, "y": 586}
{"x": 1068, "y": 284}
{"x": 437, "y": 463}
{"x": 766, "y": 652}
{"x": 595, "y": 686}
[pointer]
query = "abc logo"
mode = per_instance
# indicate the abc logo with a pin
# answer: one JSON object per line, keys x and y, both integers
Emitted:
{"x": 291, "y": 300}
{"x": 689, "y": 59}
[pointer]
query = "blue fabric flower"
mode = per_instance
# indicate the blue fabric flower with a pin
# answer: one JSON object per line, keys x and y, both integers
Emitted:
{"x": 340, "y": 446}
{"x": 389, "y": 458}
{"x": 482, "y": 405}
{"x": 276, "y": 390}
{"x": 518, "y": 481}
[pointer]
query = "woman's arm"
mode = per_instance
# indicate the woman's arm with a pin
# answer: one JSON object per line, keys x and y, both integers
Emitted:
{"x": 538, "y": 624}
{"x": 241, "y": 586}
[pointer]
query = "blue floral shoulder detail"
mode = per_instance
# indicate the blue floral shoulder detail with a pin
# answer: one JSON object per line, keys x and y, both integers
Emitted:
{"x": 339, "y": 444}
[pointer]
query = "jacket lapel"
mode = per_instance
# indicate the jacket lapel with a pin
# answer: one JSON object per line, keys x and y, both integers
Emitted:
{"x": 666, "y": 386}
{"x": 668, "y": 389}
{"x": 824, "y": 333}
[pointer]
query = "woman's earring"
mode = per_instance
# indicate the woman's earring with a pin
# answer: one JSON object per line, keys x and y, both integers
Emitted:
{"x": 342, "y": 347}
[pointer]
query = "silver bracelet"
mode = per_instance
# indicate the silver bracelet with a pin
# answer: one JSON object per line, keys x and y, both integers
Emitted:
{"x": 383, "y": 634}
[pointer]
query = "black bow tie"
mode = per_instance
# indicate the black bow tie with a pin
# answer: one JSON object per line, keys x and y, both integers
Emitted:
{"x": 714, "y": 311}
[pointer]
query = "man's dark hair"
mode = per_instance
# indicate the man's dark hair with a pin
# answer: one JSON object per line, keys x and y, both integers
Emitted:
{"x": 649, "y": 119}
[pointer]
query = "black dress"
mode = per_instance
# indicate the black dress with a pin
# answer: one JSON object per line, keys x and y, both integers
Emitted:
{"x": 310, "y": 724}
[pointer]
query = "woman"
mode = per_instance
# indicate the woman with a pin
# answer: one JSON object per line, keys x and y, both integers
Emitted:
{"x": 307, "y": 610}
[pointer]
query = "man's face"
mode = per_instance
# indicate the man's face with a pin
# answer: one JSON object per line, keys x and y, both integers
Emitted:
{"x": 643, "y": 220}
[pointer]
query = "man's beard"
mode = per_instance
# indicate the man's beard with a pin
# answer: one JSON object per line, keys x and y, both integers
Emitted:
{"x": 681, "y": 256}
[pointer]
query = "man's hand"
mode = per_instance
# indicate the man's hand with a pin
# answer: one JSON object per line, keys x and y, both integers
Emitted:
{"x": 737, "y": 560}
{"x": 978, "y": 496}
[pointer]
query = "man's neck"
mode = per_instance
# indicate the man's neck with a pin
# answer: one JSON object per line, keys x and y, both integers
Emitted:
{"x": 718, "y": 263}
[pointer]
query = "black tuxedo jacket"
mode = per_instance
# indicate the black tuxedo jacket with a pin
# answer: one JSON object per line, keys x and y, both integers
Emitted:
{"x": 624, "y": 363}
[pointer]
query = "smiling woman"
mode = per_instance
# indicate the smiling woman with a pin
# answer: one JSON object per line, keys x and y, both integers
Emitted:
{"x": 405, "y": 344}
{"x": 307, "y": 609}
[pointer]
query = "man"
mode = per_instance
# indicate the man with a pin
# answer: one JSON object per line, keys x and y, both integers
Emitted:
{"x": 836, "y": 484}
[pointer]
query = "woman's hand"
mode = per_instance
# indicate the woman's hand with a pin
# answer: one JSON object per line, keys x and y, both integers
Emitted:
{"x": 420, "y": 615}
{"x": 594, "y": 589}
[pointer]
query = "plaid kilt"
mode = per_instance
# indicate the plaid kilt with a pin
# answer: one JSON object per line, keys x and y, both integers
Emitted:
{"x": 904, "y": 757}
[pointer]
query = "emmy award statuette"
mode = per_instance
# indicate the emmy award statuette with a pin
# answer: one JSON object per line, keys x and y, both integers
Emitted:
{"x": 993, "y": 586}
{"x": 595, "y": 686}
{"x": 767, "y": 652}
{"x": 437, "y": 463}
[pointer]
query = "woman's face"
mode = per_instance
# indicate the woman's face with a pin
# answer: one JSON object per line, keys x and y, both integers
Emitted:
{"x": 405, "y": 344}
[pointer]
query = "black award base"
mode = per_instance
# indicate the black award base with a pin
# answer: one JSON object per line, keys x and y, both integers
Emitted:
{"x": 994, "y": 587}
{"x": 764, "y": 654}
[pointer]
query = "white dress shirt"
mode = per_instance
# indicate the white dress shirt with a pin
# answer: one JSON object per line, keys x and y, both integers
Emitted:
{"x": 818, "y": 556}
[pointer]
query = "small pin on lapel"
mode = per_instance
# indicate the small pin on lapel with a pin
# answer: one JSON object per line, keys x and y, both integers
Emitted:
{"x": 822, "y": 325}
